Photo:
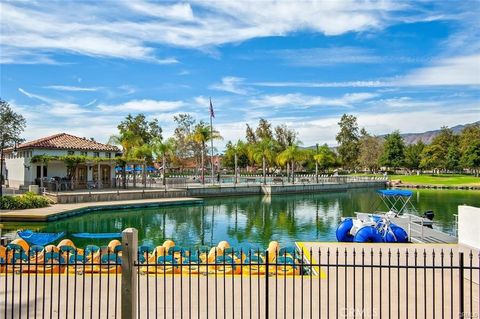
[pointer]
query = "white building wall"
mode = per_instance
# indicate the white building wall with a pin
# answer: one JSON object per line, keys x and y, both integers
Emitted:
{"x": 16, "y": 171}
{"x": 468, "y": 226}
{"x": 20, "y": 174}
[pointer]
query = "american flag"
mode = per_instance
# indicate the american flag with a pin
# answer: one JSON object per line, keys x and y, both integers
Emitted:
{"x": 212, "y": 113}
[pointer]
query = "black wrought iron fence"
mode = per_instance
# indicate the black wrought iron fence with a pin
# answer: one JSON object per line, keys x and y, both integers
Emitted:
{"x": 315, "y": 281}
{"x": 59, "y": 282}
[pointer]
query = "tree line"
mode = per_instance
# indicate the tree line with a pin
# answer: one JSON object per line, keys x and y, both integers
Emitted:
{"x": 448, "y": 152}
{"x": 277, "y": 149}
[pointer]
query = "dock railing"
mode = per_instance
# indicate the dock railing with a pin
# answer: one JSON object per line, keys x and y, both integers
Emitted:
{"x": 135, "y": 282}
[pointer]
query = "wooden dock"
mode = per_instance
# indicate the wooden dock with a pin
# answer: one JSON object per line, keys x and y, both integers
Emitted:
{"x": 422, "y": 234}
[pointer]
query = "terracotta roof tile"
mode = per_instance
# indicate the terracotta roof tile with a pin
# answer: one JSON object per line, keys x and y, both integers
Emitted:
{"x": 67, "y": 141}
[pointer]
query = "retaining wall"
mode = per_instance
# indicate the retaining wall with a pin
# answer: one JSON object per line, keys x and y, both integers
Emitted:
{"x": 207, "y": 191}
{"x": 83, "y": 197}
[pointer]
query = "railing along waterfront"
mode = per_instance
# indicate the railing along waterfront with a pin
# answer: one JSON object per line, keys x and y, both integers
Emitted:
{"x": 342, "y": 282}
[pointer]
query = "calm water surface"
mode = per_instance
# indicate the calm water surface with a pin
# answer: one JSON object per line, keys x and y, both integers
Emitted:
{"x": 252, "y": 221}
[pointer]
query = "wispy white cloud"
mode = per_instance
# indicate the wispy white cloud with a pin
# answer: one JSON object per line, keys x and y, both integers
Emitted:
{"x": 36, "y": 96}
{"x": 328, "y": 56}
{"x": 301, "y": 101}
{"x": 231, "y": 84}
{"x": 460, "y": 70}
{"x": 71, "y": 88}
{"x": 56, "y": 107}
{"x": 453, "y": 71}
{"x": 129, "y": 29}
{"x": 345, "y": 84}
{"x": 92, "y": 102}
{"x": 144, "y": 105}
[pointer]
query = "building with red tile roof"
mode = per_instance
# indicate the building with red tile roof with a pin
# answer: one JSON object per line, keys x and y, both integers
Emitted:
{"x": 21, "y": 171}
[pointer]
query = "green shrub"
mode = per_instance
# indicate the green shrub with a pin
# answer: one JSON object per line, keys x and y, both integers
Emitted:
{"x": 28, "y": 200}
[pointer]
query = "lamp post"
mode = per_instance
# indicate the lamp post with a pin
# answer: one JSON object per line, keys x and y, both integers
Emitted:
{"x": 316, "y": 167}
{"x": 1, "y": 169}
{"x": 236, "y": 176}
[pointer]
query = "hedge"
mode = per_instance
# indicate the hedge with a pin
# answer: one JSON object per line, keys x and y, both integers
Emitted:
{"x": 28, "y": 200}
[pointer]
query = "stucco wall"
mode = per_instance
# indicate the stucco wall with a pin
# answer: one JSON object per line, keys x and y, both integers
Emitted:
{"x": 16, "y": 171}
{"x": 469, "y": 226}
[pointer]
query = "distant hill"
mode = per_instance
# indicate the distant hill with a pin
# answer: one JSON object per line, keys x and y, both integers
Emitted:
{"x": 427, "y": 137}
{"x": 412, "y": 138}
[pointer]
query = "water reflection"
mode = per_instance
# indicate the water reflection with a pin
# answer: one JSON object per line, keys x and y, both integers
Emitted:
{"x": 252, "y": 220}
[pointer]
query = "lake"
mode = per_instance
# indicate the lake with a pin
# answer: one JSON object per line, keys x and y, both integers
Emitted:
{"x": 252, "y": 221}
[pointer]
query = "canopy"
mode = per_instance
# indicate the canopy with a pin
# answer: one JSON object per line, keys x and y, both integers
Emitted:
{"x": 97, "y": 235}
{"x": 395, "y": 192}
{"x": 41, "y": 239}
{"x": 151, "y": 169}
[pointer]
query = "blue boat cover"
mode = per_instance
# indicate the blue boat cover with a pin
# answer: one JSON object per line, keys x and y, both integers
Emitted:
{"x": 395, "y": 192}
{"x": 41, "y": 239}
{"x": 97, "y": 235}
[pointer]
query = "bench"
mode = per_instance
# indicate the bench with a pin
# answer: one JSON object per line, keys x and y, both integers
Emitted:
{"x": 277, "y": 180}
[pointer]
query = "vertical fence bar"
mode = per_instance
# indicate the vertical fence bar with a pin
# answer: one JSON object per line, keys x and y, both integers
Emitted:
{"x": 129, "y": 273}
{"x": 266, "y": 284}
{"x": 461, "y": 306}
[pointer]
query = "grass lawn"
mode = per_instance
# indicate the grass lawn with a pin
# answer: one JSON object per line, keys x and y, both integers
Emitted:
{"x": 428, "y": 179}
{"x": 441, "y": 179}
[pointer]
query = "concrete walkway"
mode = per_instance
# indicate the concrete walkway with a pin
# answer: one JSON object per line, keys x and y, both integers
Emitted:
{"x": 63, "y": 210}
{"x": 419, "y": 284}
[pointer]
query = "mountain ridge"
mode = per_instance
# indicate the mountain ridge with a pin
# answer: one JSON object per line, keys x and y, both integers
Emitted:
{"x": 428, "y": 136}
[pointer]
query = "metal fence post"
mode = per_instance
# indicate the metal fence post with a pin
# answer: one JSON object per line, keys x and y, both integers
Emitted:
{"x": 129, "y": 273}
{"x": 266, "y": 283}
{"x": 461, "y": 305}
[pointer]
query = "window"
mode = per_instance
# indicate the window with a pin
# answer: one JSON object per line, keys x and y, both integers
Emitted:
{"x": 96, "y": 154}
{"x": 108, "y": 155}
{"x": 83, "y": 153}
{"x": 71, "y": 152}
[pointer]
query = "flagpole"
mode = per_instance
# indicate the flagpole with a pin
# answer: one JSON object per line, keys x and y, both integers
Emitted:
{"x": 211, "y": 138}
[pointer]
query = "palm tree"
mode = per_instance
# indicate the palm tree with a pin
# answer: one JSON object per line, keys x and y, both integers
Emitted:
{"x": 144, "y": 153}
{"x": 291, "y": 154}
{"x": 201, "y": 135}
{"x": 324, "y": 157}
{"x": 263, "y": 151}
{"x": 163, "y": 149}
{"x": 128, "y": 140}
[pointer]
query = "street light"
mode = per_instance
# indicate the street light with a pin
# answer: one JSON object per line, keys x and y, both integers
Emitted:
{"x": 316, "y": 166}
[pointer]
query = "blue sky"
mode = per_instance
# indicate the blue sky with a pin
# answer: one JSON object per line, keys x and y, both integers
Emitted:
{"x": 80, "y": 67}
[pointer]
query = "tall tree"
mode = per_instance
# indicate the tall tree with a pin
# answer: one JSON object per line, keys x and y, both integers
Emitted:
{"x": 264, "y": 130}
{"x": 263, "y": 152}
{"x": 347, "y": 140}
{"x": 394, "y": 151}
{"x": 163, "y": 149}
{"x": 413, "y": 153}
{"x": 250, "y": 135}
{"x": 285, "y": 137}
{"x": 370, "y": 151}
{"x": 185, "y": 147}
{"x": 138, "y": 125}
{"x": 201, "y": 135}
{"x": 469, "y": 146}
{"x": 11, "y": 127}
{"x": 240, "y": 150}
{"x": 128, "y": 140}
{"x": 292, "y": 154}
{"x": 434, "y": 156}
{"x": 325, "y": 158}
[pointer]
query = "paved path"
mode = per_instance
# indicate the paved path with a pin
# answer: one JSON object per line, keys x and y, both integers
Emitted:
{"x": 57, "y": 210}
{"x": 391, "y": 288}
